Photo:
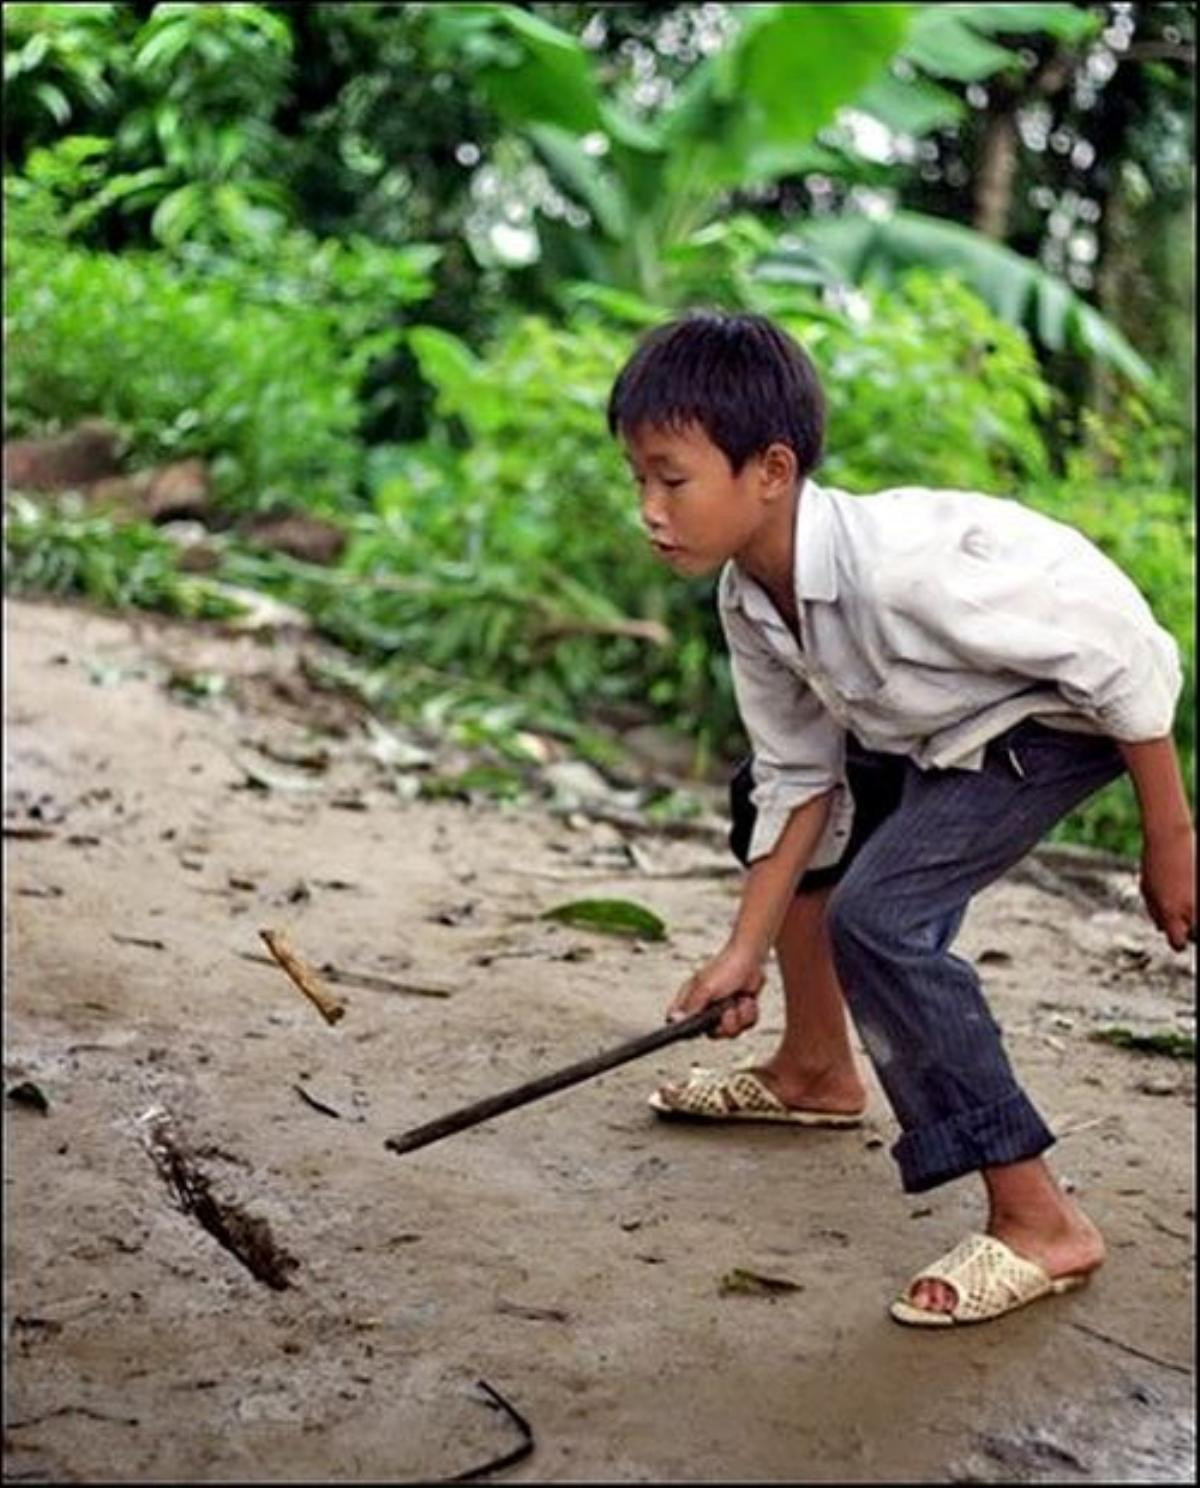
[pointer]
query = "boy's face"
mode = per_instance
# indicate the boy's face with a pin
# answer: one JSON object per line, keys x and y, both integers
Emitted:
{"x": 696, "y": 511}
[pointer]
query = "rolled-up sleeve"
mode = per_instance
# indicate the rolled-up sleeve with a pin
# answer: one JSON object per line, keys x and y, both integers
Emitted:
{"x": 1075, "y": 622}
{"x": 798, "y": 749}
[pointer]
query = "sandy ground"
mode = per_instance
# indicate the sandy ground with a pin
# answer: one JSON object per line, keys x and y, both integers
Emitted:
{"x": 571, "y": 1253}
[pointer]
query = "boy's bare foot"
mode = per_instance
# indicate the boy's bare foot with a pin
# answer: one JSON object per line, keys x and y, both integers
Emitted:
{"x": 838, "y": 1091}
{"x": 1072, "y": 1246}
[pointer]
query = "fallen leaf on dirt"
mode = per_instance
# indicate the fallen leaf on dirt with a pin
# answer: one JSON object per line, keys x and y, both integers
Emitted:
{"x": 29, "y": 1094}
{"x": 533, "y": 1314}
{"x": 198, "y": 684}
{"x": 1173, "y": 1045}
{"x": 610, "y": 917}
{"x": 739, "y": 1281}
{"x": 313, "y": 758}
{"x": 258, "y": 777}
{"x": 993, "y": 958}
{"x": 493, "y": 782}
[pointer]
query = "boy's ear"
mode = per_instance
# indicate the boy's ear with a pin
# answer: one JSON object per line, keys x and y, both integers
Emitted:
{"x": 779, "y": 469}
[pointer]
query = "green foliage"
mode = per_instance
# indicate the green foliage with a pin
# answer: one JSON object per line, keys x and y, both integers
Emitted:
{"x": 185, "y": 101}
{"x": 509, "y": 545}
{"x": 1148, "y": 529}
{"x": 751, "y": 114}
{"x": 927, "y": 386}
{"x": 256, "y": 368}
{"x": 57, "y": 66}
{"x": 282, "y": 160}
{"x": 66, "y": 550}
{"x": 882, "y": 249}
{"x": 1169, "y": 1043}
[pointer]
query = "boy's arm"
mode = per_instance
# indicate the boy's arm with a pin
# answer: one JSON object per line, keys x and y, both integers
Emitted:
{"x": 766, "y": 896}
{"x": 1168, "y": 841}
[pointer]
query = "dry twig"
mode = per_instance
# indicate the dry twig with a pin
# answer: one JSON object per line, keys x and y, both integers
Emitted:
{"x": 1129, "y": 1348}
{"x": 496, "y": 1401}
{"x": 303, "y": 976}
{"x": 311, "y": 1100}
{"x": 367, "y": 979}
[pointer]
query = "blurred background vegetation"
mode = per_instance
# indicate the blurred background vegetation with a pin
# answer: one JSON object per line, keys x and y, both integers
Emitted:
{"x": 376, "y": 265}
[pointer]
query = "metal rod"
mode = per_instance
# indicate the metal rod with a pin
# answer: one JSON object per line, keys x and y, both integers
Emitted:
{"x": 493, "y": 1105}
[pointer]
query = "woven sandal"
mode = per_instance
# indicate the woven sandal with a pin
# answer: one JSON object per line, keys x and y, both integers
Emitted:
{"x": 989, "y": 1280}
{"x": 737, "y": 1095}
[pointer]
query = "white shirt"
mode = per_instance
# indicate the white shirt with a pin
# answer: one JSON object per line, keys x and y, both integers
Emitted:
{"x": 930, "y": 622}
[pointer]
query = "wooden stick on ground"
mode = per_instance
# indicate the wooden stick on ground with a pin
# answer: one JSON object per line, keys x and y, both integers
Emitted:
{"x": 366, "y": 979}
{"x": 304, "y": 976}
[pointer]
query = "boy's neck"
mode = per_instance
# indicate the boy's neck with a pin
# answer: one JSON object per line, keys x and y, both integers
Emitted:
{"x": 770, "y": 556}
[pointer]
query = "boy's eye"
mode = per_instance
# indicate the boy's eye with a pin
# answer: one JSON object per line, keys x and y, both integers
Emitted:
{"x": 674, "y": 482}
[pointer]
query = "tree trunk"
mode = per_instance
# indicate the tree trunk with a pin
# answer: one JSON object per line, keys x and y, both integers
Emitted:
{"x": 997, "y": 172}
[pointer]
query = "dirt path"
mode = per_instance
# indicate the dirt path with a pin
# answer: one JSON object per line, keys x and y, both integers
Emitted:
{"x": 570, "y": 1254}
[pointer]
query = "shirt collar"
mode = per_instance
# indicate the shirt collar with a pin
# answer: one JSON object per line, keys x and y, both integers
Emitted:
{"x": 815, "y": 574}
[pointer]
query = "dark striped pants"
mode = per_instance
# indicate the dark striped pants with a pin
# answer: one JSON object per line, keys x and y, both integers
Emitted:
{"x": 923, "y": 844}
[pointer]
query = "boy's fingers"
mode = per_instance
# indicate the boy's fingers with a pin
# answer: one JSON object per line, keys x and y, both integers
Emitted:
{"x": 737, "y": 1019}
{"x": 678, "y": 1007}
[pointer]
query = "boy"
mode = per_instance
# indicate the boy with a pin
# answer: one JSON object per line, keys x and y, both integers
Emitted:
{"x": 929, "y": 680}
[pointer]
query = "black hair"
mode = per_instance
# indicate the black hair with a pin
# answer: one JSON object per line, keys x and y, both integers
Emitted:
{"x": 740, "y": 377}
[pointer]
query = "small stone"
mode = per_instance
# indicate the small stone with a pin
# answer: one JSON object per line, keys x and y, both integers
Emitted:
{"x": 1157, "y": 1085}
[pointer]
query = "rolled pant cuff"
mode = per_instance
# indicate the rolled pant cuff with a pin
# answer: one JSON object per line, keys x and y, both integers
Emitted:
{"x": 1009, "y": 1130}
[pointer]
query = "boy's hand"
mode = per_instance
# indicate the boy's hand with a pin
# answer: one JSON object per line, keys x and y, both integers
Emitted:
{"x": 732, "y": 971}
{"x": 1168, "y": 883}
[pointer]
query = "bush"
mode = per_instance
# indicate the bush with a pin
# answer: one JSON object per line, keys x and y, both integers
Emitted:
{"x": 254, "y": 362}
{"x": 183, "y": 369}
{"x": 927, "y": 387}
{"x": 62, "y": 549}
{"x": 1149, "y": 532}
{"x": 520, "y": 485}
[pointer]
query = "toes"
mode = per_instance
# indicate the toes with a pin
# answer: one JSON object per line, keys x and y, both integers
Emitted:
{"x": 933, "y": 1296}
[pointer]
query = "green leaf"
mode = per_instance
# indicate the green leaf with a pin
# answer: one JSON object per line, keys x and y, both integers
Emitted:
{"x": 1017, "y": 289}
{"x": 1173, "y": 1045}
{"x": 853, "y": 42}
{"x": 492, "y": 781}
{"x": 915, "y": 107}
{"x": 610, "y": 917}
{"x": 162, "y": 41}
{"x": 747, "y": 112}
{"x": 945, "y": 45}
{"x": 1066, "y": 22}
{"x": 619, "y": 304}
{"x": 178, "y": 213}
{"x": 739, "y": 1281}
{"x": 585, "y": 177}
{"x": 54, "y": 101}
{"x": 445, "y": 360}
{"x": 552, "y": 83}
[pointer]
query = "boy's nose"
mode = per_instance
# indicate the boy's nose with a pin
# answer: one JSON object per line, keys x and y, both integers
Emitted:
{"x": 653, "y": 515}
